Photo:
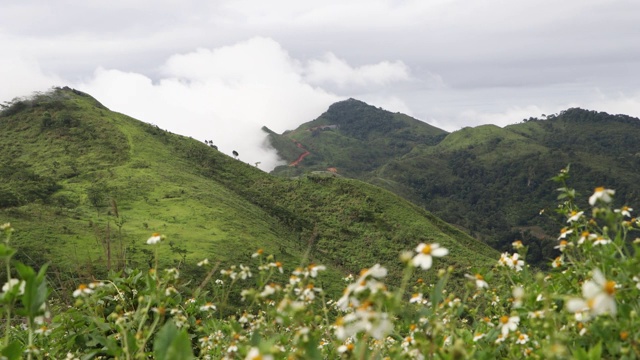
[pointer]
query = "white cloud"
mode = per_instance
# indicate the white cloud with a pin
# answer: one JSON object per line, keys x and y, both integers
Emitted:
{"x": 20, "y": 77}
{"x": 227, "y": 94}
{"x": 332, "y": 69}
{"x": 620, "y": 103}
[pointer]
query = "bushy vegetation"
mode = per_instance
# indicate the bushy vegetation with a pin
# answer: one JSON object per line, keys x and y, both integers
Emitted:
{"x": 362, "y": 139}
{"x": 490, "y": 181}
{"x": 585, "y": 307}
{"x": 82, "y": 195}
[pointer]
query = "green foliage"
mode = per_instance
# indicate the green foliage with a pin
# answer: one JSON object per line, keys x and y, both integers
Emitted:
{"x": 207, "y": 203}
{"x": 584, "y": 308}
{"x": 172, "y": 343}
{"x": 20, "y": 185}
{"x": 492, "y": 182}
{"x": 354, "y": 138}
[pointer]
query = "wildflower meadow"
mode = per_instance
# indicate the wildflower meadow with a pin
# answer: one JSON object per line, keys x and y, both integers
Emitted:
{"x": 584, "y": 307}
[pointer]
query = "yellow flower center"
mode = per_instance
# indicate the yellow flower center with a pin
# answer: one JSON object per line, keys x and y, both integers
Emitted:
{"x": 412, "y": 327}
{"x": 624, "y": 335}
{"x": 155, "y": 234}
{"x": 82, "y": 287}
{"x": 479, "y": 277}
{"x": 610, "y": 287}
{"x": 504, "y": 319}
{"x": 599, "y": 189}
{"x": 426, "y": 249}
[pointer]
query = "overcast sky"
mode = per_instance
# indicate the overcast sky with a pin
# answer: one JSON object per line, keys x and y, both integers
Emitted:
{"x": 220, "y": 70}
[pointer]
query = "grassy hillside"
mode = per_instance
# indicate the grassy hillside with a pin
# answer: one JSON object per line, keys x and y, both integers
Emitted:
{"x": 86, "y": 187}
{"x": 491, "y": 181}
{"x": 353, "y": 138}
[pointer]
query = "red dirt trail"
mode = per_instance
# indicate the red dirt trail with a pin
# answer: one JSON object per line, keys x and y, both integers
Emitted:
{"x": 302, "y": 156}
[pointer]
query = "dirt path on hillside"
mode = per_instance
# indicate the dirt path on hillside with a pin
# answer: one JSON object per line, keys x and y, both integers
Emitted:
{"x": 302, "y": 156}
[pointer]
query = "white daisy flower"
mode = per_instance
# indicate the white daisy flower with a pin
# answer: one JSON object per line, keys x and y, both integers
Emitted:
{"x": 597, "y": 296}
{"x": 13, "y": 283}
{"x": 522, "y": 339}
{"x": 154, "y": 239}
{"x": 575, "y": 216}
{"x": 601, "y": 241}
{"x": 424, "y": 258}
{"x": 564, "y": 232}
{"x": 208, "y": 307}
{"x": 625, "y": 210}
{"x": 508, "y": 323}
{"x": 203, "y": 262}
{"x": 601, "y": 194}
{"x": 82, "y": 290}
{"x": 479, "y": 280}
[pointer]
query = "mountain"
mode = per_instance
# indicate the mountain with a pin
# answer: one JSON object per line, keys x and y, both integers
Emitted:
{"x": 492, "y": 182}
{"x": 85, "y": 187}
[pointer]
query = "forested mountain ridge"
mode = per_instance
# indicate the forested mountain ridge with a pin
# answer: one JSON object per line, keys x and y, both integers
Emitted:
{"x": 85, "y": 187}
{"x": 493, "y": 182}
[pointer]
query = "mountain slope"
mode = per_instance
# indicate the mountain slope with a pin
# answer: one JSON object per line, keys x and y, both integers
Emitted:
{"x": 491, "y": 181}
{"x": 99, "y": 183}
{"x": 353, "y": 138}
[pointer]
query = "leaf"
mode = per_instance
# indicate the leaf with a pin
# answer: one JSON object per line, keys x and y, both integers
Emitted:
{"x": 580, "y": 354}
{"x": 6, "y": 252}
{"x": 35, "y": 290}
{"x": 13, "y": 351}
{"x": 595, "y": 353}
{"x": 26, "y": 272}
{"x": 172, "y": 344}
{"x": 90, "y": 355}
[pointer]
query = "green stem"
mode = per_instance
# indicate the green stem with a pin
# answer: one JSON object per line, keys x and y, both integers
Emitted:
{"x": 406, "y": 275}
{"x": 30, "y": 346}
{"x": 151, "y": 331}
{"x": 8, "y": 321}
{"x": 125, "y": 342}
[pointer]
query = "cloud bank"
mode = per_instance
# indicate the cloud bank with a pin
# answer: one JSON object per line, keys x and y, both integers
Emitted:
{"x": 227, "y": 94}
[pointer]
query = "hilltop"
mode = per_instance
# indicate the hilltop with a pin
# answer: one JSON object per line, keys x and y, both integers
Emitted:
{"x": 491, "y": 182}
{"x": 86, "y": 187}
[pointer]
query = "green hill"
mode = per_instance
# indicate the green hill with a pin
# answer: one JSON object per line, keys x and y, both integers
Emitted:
{"x": 354, "y": 138}
{"x": 490, "y": 181}
{"x": 86, "y": 187}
